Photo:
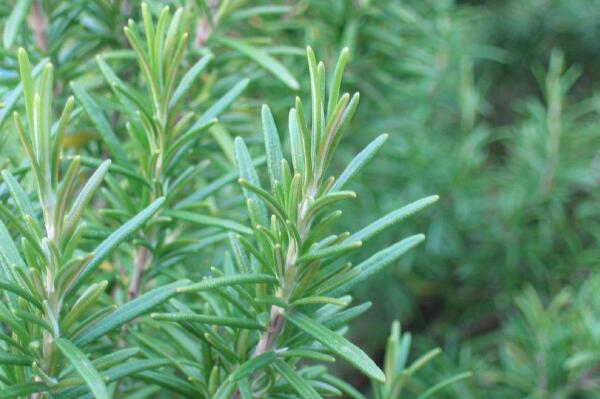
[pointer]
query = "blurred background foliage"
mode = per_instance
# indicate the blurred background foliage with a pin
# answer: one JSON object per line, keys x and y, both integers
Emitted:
{"x": 490, "y": 104}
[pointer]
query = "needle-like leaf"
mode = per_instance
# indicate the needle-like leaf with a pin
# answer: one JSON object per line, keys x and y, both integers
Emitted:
{"x": 338, "y": 344}
{"x": 265, "y": 60}
{"x": 84, "y": 367}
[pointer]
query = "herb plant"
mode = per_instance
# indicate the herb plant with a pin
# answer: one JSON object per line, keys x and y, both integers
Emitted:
{"x": 163, "y": 234}
{"x": 259, "y": 325}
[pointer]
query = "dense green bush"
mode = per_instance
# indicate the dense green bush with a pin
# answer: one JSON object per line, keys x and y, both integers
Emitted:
{"x": 161, "y": 275}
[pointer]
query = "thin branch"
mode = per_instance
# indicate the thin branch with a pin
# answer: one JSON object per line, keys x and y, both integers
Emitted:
{"x": 39, "y": 26}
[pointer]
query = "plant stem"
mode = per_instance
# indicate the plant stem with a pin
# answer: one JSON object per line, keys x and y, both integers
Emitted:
{"x": 268, "y": 338}
{"x": 140, "y": 260}
{"x": 276, "y": 321}
{"x": 37, "y": 23}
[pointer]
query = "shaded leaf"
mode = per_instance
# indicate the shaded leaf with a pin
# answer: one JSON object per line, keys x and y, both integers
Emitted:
{"x": 338, "y": 344}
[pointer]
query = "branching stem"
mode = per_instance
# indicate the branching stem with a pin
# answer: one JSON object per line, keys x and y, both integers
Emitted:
{"x": 140, "y": 261}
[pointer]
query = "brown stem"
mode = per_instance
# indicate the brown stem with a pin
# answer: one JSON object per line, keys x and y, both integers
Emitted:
{"x": 38, "y": 25}
{"x": 276, "y": 320}
{"x": 268, "y": 338}
{"x": 203, "y": 31}
{"x": 140, "y": 261}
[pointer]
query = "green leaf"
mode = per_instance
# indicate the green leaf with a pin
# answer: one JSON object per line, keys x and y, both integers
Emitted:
{"x": 10, "y": 100}
{"x": 300, "y": 385}
{"x": 296, "y": 142}
{"x": 211, "y": 188}
{"x": 189, "y": 79}
{"x": 235, "y": 322}
{"x": 224, "y": 140}
{"x": 14, "y": 22}
{"x": 12, "y": 287}
{"x": 33, "y": 318}
{"x": 245, "y": 388}
{"x": 221, "y": 104}
{"x": 307, "y": 354}
{"x": 132, "y": 367}
{"x": 311, "y": 300}
{"x": 251, "y": 366}
{"x": 97, "y": 117}
{"x": 114, "y": 168}
{"x": 392, "y": 218}
{"x": 19, "y": 196}
{"x": 344, "y": 386}
{"x": 423, "y": 360}
{"x": 169, "y": 382}
{"x": 18, "y": 391}
{"x": 332, "y": 251}
{"x": 334, "y": 90}
{"x": 265, "y": 60}
{"x": 272, "y": 145}
{"x": 377, "y": 262}
{"x": 28, "y": 84}
{"x": 316, "y": 104}
{"x": 209, "y": 221}
{"x": 264, "y": 196}
{"x": 329, "y": 199}
{"x": 338, "y": 344}
{"x": 247, "y": 171}
{"x": 84, "y": 367}
{"x": 212, "y": 283}
{"x": 129, "y": 311}
{"x": 106, "y": 361}
{"x": 358, "y": 162}
{"x": 83, "y": 303}
{"x": 9, "y": 252}
{"x": 84, "y": 197}
{"x": 442, "y": 384}
{"x": 114, "y": 239}
{"x": 13, "y": 359}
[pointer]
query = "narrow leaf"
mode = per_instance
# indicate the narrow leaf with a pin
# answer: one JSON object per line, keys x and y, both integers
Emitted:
{"x": 190, "y": 78}
{"x": 300, "y": 385}
{"x": 272, "y": 145}
{"x": 359, "y": 161}
{"x": 221, "y": 104}
{"x": 377, "y": 262}
{"x": 97, "y": 117}
{"x": 18, "y": 391}
{"x": 14, "y": 22}
{"x": 392, "y": 218}
{"x": 338, "y": 344}
{"x": 236, "y": 322}
{"x": 114, "y": 239}
{"x": 19, "y": 196}
{"x": 9, "y": 251}
{"x": 129, "y": 311}
{"x": 11, "y": 99}
{"x": 212, "y": 283}
{"x": 265, "y": 60}
{"x": 247, "y": 171}
{"x": 443, "y": 384}
{"x": 251, "y": 366}
{"x": 13, "y": 359}
{"x": 332, "y": 251}
{"x": 209, "y": 221}
{"x": 84, "y": 197}
{"x": 84, "y": 367}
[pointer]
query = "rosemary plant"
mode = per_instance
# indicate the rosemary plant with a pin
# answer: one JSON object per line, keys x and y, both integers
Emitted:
{"x": 164, "y": 129}
{"x": 146, "y": 252}
{"x": 54, "y": 309}
{"x": 290, "y": 299}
